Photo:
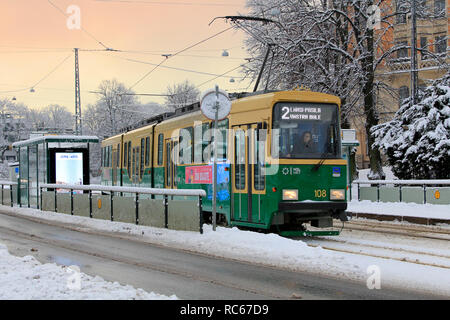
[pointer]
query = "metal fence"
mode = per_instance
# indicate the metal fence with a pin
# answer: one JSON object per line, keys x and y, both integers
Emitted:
{"x": 418, "y": 191}
{"x": 170, "y": 217}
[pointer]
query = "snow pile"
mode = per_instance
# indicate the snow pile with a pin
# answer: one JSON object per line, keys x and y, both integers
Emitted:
{"x": 431, "y": 211}
{"x": 27, "y": 279}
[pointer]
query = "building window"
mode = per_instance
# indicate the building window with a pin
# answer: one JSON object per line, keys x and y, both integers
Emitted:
{"x": 423, "y": 46}
{"x": 403, "y": 93}
{"x": 439, "y": 8}
{"x": 401, "y": 7}
{"x": 402, "y": 53}
{"x": 440, "y": 44}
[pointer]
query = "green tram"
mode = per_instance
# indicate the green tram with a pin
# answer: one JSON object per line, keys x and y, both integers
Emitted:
{"x": 279, "y": 167}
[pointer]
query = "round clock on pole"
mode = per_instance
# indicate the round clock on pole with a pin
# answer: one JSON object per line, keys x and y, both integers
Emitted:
{"x": 215, "y": 105}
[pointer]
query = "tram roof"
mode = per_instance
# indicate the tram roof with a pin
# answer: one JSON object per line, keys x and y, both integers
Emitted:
{"x": 239, "y": 100}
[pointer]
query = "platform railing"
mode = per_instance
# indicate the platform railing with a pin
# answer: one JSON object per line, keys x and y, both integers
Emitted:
{"x": 10, "y": 184}
{"x": 401, "y": 183}
{"x": 111, "y": 190}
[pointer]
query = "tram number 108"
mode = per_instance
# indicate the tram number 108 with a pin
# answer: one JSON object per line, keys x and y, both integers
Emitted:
{"x": 320, "y": 193}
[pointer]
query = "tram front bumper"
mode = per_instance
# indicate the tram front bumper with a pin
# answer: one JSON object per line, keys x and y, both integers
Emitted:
{"x": 311, "y": 206}
{"x": 317, "y": 211}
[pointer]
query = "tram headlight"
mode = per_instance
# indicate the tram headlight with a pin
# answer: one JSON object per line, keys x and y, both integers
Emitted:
{"x": 337, "y": 194}
{"x": 290, "y": 194}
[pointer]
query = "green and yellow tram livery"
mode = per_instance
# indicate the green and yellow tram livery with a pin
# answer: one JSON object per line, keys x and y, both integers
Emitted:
{"x": 280, "y": 163}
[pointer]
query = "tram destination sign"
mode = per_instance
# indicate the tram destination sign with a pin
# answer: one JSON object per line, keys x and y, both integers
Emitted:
{"x": 301, "y": 113}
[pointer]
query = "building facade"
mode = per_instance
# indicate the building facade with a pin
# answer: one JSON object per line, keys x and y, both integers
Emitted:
{"x": 432, "y": 30}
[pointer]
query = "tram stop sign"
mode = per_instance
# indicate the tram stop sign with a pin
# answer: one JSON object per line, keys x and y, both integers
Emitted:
{"x": 212, "y": 99}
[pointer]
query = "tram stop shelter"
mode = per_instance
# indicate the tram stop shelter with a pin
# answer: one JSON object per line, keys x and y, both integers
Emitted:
{"x": 62, "y": 159}
{"x": 349, "y": 142}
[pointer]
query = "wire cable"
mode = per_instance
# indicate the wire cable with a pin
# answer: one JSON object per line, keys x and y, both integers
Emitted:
{"x": 45, "y": 77}
{"x": 175, "y": 68}
{"x": 221, "y": 75}
{"x": 176, "y": 53}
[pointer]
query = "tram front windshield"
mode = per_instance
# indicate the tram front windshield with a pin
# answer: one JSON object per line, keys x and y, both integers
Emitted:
{"x": 305, "y": 130}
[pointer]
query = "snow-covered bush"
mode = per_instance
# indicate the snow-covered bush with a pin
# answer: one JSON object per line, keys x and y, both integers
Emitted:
{"x": 417, "y": 140}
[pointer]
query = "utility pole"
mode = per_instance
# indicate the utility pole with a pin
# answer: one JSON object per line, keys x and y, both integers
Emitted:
{"x": 78, "y": 129}
{"x": 414, "y": 76}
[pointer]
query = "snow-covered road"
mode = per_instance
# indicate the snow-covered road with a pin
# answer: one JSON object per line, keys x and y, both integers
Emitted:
{"x": 275, "y": 251}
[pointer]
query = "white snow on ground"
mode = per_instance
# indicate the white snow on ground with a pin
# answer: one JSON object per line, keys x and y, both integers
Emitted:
{"x": 27, "y": 279}
{"x": 267, "y": 249}
{"x": 433, "y": 211}
{"x": 362, "y": 173}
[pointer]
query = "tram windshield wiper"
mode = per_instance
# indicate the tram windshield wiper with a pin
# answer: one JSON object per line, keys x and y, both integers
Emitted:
{"x": 323, "y": 157}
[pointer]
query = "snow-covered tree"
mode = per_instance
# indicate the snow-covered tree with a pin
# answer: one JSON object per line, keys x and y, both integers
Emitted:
{"x": 417, "y": 140}
{"x": 328, "y": 46}
{"x": 116, "y": 109}
{"x": 181, "y": 94}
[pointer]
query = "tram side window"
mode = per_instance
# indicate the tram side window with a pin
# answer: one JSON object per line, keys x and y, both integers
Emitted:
{"x": 259, "y": 142}
{"x": 141, "y": 162}
{"x": 160, "y": 148}
{"x": 129, "y": 159}
{"x": 118, "y": 155}
{"x": 223, "y": 143}
{"x": 168, "y": 165}
{"x": 206, "y": 147}
{"x": 125, "y": 154}
{"x": 147, "y": 151}
{"x": 133, "y": 168}
{"x": 239, "y": 142}
{"x": 175, "y": 161}
{"x": 108, "y": 156}
{"x": 198, "y": 141}
{"x": 105, "y": 152}
{"x": 185, "y": 145}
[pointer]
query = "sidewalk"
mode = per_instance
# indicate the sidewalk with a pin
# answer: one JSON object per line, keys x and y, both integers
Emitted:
{"x": 429, "y": 214}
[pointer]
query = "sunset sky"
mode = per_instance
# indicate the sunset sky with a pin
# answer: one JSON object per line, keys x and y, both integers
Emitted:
{"x": 35, "y": 39}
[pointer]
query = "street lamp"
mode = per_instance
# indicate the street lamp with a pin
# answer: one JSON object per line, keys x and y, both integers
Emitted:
{"x": 236, "y": 20}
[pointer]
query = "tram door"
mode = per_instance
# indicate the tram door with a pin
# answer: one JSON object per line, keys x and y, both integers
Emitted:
{"x": 115, "y": 165}
{"x": 248, "y": 176}
{"x": 170, "y": 178}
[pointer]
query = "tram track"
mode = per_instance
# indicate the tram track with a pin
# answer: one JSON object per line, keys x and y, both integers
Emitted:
{"x": 429, "y": 232}
{"x": 347, "y": 243}
{"x": 404, "y": 259}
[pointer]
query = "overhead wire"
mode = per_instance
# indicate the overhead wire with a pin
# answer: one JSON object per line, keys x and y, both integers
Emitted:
{"x": 42, "y": 79}
{"x": 223, "y": 74}
{"x": 174, "y": 68}
{"x": 176, "y": 53}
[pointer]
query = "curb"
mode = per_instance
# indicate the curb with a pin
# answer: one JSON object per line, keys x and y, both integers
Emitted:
{"x": 385, "y": 217}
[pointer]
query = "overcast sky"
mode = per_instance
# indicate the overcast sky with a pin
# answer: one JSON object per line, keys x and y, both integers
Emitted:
{"x": 35, "y": 39}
